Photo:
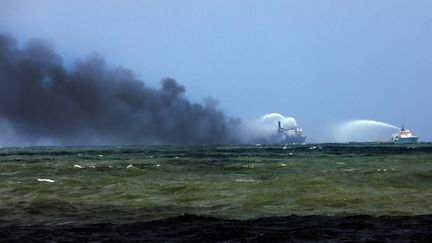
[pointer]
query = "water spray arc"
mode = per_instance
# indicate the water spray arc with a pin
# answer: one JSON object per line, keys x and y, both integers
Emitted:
{"x": 364, "y": 131}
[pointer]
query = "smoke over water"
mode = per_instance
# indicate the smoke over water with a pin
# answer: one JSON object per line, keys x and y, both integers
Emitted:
{"x": 43, "y": 103}
{"x": 364, "y": 131}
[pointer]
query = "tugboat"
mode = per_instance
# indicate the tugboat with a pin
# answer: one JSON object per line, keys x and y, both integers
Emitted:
{"x": 404, "y": 136}
{"x": 292, "y": 135}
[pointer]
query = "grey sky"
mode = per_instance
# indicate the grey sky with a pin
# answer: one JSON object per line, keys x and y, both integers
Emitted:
{"x": 321, "y": 62}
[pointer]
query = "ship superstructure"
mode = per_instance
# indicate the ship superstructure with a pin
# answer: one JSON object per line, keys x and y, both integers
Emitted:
{"x": 404, "y": 136}
{"x": 293, "y": 135}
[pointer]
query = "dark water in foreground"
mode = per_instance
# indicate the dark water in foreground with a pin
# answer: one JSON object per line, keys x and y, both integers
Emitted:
{"x": 252, "y": 191}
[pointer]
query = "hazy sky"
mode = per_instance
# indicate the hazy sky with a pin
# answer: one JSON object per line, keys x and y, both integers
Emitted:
{"x": 321, "y": 62}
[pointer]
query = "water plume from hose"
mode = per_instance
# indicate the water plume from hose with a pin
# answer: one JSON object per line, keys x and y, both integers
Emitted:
{"x": 264, "y": 129}
{"x": 364, "y": 131}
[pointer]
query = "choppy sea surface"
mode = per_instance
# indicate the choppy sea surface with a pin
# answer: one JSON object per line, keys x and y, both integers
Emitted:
{"x": 45, "y": 188}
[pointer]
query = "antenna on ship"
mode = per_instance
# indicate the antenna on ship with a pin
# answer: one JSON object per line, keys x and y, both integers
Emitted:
{"x": 403, "y": 127}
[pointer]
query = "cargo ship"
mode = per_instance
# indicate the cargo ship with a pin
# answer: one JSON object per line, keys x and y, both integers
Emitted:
{"x": 404, "y": 136}
{"x": 293, "y": 135}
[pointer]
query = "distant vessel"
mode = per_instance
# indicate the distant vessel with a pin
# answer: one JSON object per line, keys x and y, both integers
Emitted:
{"x": 292, "y": 135}
{"x": 404, "y": 136}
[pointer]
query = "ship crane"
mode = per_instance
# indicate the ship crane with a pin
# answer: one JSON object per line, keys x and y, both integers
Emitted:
{"x": 291, "y": 135}
{"x": 280, "y": 128}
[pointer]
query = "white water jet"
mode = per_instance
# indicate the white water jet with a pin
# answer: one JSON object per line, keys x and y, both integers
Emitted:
{"x": 270, "y": 121}
{"x": 364, "y": 131}
{"x": 264, "y": 129}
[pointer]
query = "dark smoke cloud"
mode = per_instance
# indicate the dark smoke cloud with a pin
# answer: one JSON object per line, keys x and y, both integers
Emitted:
{"x": 92, "y": 103}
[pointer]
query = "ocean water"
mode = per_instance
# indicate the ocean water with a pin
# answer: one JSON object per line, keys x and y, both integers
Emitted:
{"x": 57, "y": 186}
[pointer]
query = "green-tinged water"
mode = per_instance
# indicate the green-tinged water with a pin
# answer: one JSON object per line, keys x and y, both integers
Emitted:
{"x": 61, "y": 185}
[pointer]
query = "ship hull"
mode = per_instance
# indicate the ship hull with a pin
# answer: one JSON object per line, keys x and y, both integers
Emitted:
{"x": 405, "y": 140}
{"x": 294, "y": 140}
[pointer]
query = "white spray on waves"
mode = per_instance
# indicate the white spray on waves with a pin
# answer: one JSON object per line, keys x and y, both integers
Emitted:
{"x": 264, "y": 129}
{"x": 364, "y": 131}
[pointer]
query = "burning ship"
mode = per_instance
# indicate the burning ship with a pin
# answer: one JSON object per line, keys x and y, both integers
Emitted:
{"x": 293, "y": 135}
{"x": 404, "y": 136}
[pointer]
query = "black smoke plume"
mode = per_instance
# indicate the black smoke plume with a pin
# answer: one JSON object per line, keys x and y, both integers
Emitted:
{"x": 91, "y": 103}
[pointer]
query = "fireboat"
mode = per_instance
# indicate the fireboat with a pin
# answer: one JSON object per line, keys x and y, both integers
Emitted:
{"x": 404, "y": 136}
